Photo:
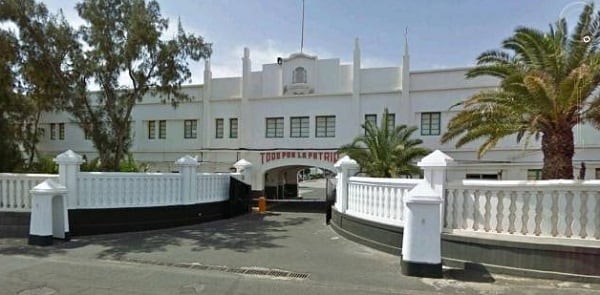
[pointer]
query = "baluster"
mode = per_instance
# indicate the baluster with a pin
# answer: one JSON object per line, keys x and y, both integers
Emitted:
{"x": 379, "y": 191}
{"x": 545, "y": 213}
{"x": 555, "y": 213}
{"x": 400, "y": 205}
{"x": 393, "y": 203}
{"x": 458, "y": 209}
{"x": 566, "y": 213}
{"x": 449, "y": 220}
{"x": 527, "y": 225}
{"x": 514, "y": 222}
{"x": 18, "y": 195}
{"x": 4, "y": 195}
{"x": 586, "y": 225}
{"x": 467, "y": 211}
{"x": 499, "y": 211}
{"x": 488, "y": 211}
{"x": 576, "y": 207}
{"x": 363, "y": 198}
{"x": 477, "y": 211}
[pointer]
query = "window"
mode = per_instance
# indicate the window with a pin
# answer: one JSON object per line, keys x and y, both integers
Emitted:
{"x": 190, "y": 128}
{"x": 597, "y": 173}
{"x": 299, "y": 75}
{"x": 430, "y": 123}
{"x": 233, "y": 128}
{"x": 219, "y": 128}
{"x": 61, "y": 131}
{"x": 534, "y": 174}
{"x": 52, "y": 131}
{"x": 325, "y": 126}
{"x": 151, "y": 129}
{"x": 482, "y": 176}
{"x": 299, "y": 127}
{"x": 162, "y": 129}
{"x": 274, "y": 127}
{"x": 370, "y": 118}
{"x": 391, "y": 121}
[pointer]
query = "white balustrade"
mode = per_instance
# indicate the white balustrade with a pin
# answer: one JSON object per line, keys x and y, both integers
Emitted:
{"x": 14, "y": 190}
{"x": 548, "y": 208}
{"x": 213, "y": 187}
{"x": 379, "y": 199}
{"x": 118, "y": 190}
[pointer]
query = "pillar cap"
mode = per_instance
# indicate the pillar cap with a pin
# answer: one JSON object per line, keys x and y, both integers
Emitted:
{"x": 48, "y": 186}
{"x": 187, "y": 160}
{"x": 68, "y": 157}
{"x": 423, "y": 194}
{"x": 242, "y": 164}
{"x": 346, "y": 162}
{"x": 436, "y": 159}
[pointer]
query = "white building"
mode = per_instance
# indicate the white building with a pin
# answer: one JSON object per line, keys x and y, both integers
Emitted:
{"x": 295, "y": 113}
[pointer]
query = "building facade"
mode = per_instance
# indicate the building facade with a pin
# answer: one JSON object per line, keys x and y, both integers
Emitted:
{"x": 296, "y": 113}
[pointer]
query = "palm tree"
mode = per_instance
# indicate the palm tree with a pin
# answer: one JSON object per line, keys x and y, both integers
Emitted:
{"x": 386, "y": 151}
{"x": 548, "y": 84}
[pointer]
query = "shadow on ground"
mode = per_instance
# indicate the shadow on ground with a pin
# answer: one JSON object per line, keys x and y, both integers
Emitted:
{"x": 241, "y": 234}
{"x": 472, "y": 272}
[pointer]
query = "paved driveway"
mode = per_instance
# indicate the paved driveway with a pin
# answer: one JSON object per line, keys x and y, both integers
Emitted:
{"x": 276, "y": 253}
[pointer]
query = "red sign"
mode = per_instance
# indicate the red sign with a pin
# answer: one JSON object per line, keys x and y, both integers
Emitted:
{"x": 327, "y": 156}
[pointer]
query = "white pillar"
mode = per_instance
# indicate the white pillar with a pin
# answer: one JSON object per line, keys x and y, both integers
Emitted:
{"x": 188, "y": 166}
{"x": 345, "y": 167}
{"x": 49, "y": 216}
{"x": 68, "y": 170}
{"x": 406, "y": 112}
{"x": 206, "y": 116}
{"x": 434, "y": 168}
{"x": 421, "y": 240}
{"x": 244, "y": 168}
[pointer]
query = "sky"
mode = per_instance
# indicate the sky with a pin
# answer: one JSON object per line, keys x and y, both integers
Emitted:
{"x": 441, "y": 33}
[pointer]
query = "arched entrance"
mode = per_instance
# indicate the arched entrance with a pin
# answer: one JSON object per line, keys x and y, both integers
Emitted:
{"x": 280, "y": 178}
{"x": 298, "y": 182}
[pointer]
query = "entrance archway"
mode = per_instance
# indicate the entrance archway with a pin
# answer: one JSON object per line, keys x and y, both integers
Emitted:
{"x": 286, "y": 182}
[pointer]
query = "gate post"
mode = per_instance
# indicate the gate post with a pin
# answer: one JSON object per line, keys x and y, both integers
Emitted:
{"x": 434, "y": 168}
{"x": 49, "y": 216}
{"x": 244, "y": 168}
{"x": 68, "y": 170}
{"x": 189, "y": 178}
{"x": 345, "y": 167}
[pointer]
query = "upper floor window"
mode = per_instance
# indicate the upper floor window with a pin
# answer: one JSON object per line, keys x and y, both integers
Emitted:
{"x": 190, "y": 128}
{"x": 391, "y": 122}
{"x": 325, "y": 126}
{"x": 52, "y": 131}
{"x": 299, "y": 75}
{"x": 219, "y": 125}
{"x": 430, "y": 123}
{"x": 274, "y": 127}
{"x": 370, "y": 118}
{"x": 61, "y": 131}
{"x": 151, "y": 129}
{"x": 162, "y": 129}
{"x": 233, "y": 128}
{"x": 299, "y": 127}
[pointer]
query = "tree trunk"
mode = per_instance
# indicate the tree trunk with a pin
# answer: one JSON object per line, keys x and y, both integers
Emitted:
{"x": 34, "y": 140}
{"x": 558, "y": 148}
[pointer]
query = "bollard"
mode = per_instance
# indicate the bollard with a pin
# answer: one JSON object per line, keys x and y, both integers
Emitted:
{"x": 262, "y": 205}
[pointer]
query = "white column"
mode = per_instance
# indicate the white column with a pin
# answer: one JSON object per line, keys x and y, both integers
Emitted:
{"x": 207, "y": 93}
{"x": 243, "y": 124}
{"x": 421, "y": 240}
{"x": 68, "y": 170}
{"x": 406, "y": 112}
{"x": 345, "y": 167}
{"x": 434, "y": 168}
{"x": 244, "y": 168}
{"x": 49, "y": 217}
{"x": 189, "y": 178}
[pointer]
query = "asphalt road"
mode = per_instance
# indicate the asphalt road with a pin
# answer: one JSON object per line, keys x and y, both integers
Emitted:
{"x": 276, "y": 253}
